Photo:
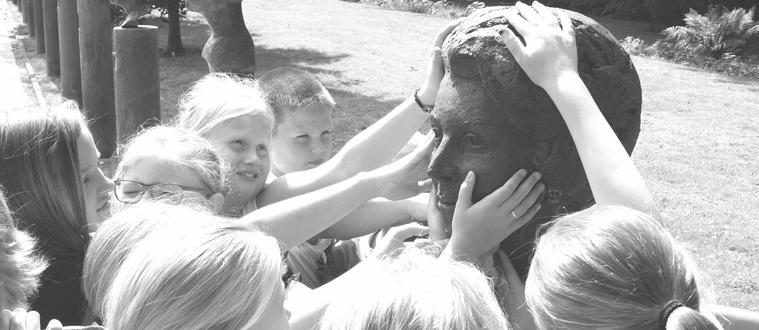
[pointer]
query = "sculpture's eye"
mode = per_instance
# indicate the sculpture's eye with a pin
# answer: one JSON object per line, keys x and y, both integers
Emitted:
{"x": 473, "y": 141}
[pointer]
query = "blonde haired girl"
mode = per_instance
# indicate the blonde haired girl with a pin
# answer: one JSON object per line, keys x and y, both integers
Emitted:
{"x": 173, "y": 164}
{"x": 118, "y": 236}
{"x": 232, "y": 114}
{"x": 417, "y": 291}
{"x": 205, "y": 274}
{"x": 611, "y": 267}
{"x": 209, "y": 273}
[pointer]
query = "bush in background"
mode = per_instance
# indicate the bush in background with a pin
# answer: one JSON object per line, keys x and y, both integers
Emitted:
{"x": 446, "y": 8}
{"x": 746, "y": 67}
{"x": 717, "y": 33}
{"x": 658, "y": 12}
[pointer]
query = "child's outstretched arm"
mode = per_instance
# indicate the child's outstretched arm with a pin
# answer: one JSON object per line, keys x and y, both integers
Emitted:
{"x": 377, "y": 214}
{"x": 294, "y": 220}
{"x": 549, "y": 57}
{"x": 371, "y": 148}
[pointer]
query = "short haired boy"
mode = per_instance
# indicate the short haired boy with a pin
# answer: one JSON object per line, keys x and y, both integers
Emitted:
{"x": 302, "y": 140}
{"x": 303, "y": 110}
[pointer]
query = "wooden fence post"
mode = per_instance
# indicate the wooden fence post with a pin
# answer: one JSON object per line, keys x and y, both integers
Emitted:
{"x": 52, "y": 50}
{"x": 96, "y": 59}
{"x": 136, "y": 75}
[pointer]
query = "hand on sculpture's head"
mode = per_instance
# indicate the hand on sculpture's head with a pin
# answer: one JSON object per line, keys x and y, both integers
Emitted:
{"x": 435, "y": 69}
{"x": 549, "y": 50}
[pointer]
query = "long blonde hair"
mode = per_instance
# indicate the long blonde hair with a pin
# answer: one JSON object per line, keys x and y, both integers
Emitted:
{"x": 214, "y": 275}
{"x": 118, "y": 236}
{"x": 20, "y": 267}
{"x": 416, "y": 291}
{"x": 612, "y": 267}
{"x": 218, "y": 97}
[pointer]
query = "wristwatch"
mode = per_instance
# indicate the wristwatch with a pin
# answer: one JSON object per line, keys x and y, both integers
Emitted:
{"x": 425, "y": 108}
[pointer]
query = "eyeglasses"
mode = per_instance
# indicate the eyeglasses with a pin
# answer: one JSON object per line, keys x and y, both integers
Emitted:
{"x": 132, "y": 192}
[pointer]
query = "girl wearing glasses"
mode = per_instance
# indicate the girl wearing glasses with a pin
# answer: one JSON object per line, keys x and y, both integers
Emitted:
{"x": 171, "y": 165}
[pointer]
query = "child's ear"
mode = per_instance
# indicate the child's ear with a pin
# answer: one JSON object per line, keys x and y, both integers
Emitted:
{"x": 217, "y": 200}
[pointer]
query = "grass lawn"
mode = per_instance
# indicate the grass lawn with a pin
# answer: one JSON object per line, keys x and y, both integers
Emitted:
{"x": 697, "y": 150}
{"x": 698, "y": 146}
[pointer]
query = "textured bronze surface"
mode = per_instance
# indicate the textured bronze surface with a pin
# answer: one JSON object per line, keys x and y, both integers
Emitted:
{"x": 491, "y": 119}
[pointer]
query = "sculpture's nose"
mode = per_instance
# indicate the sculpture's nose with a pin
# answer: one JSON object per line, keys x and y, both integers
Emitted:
{"x": 442, "y": 166}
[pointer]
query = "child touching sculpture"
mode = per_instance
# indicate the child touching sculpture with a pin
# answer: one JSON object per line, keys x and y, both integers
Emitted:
{"x": 302, "y": 106}
{"x": 222, "y": 109}
{"x": 177, "y": 267}
{"x": 612, "y": 265}
{"x": 490, "y": 118}
{"x": 172, "y": 164}
{"x": 302, "y": 140}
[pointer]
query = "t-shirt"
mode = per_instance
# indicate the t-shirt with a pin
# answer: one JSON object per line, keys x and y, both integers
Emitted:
{"x": 320, "y": 261}
{"x": 306, "y": 259}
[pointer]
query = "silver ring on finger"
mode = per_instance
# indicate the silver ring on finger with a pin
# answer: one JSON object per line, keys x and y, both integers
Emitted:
{"x": 514, "y": 215}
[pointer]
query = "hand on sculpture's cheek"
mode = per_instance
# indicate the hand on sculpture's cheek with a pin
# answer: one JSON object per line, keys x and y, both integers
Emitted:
{"x": 469, "y": 137}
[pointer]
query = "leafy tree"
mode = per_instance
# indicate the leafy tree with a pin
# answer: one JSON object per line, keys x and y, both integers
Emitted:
{"x": 171, "y": 11}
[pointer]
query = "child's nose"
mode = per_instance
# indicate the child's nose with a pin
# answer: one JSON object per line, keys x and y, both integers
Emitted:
{"x": 318, "y": 146}
{"x": 252, "y": 158}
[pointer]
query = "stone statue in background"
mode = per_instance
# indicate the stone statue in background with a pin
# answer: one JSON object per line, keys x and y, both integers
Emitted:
{"x": 134, "y": 10}
{"x": 230, "y": 47}
{"x": 491, "y": 119}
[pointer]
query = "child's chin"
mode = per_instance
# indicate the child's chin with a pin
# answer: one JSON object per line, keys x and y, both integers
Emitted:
{"x": 246, "y": 187}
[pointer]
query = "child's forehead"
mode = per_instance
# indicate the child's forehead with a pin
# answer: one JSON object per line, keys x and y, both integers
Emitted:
{"x": 153, "y": 168}
{"x": 246, "y": 123}
{"x": 308, "y": 116}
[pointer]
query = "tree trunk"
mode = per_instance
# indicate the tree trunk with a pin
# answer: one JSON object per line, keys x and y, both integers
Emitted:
{"x": 174, "y": 47}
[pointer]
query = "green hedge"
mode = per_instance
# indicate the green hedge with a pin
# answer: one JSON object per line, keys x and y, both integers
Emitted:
{"x": 667, "y": 12}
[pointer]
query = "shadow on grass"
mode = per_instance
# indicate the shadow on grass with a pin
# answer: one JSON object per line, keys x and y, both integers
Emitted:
{"x": 354, "y": 111}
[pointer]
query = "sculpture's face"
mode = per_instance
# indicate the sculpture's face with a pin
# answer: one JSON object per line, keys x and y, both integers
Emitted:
{"x": 470, "y": 135}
